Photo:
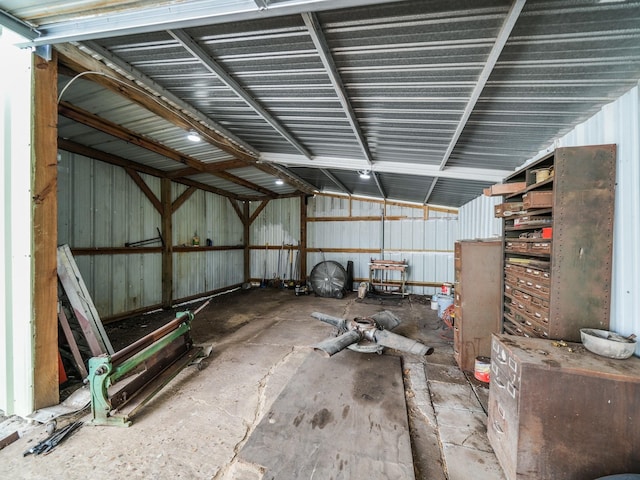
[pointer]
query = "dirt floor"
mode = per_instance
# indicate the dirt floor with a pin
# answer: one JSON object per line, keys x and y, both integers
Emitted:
{"x": 197, "y": 425}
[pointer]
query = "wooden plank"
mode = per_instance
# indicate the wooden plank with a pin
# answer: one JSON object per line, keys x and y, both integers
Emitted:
{"x": 75, "y": 351}
{"x": 9, "y": 439}
{"x": 303, "y": 237}
{"x": 340, "y": 417}
{"x": 83, "y": 308}
{"x": 142, "y": 185}
{"x": 356, "y": 219}
{"x": 184, "y": 196}
{"x": 115, "y": 250}
{"x": 45, "y": 232}
{"x": 246, "y": 238}
{"x": 258, "y": 211}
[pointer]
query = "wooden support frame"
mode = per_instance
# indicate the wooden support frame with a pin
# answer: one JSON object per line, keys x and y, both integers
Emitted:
{"x": 167, "y": 251}
{"x": 45, "y": 231}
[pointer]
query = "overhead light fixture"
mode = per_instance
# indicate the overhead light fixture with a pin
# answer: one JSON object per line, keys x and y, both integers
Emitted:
{"x": 364, "y": 174}
{"x": 279, "y": 181}
{"x": 193, "y": 136}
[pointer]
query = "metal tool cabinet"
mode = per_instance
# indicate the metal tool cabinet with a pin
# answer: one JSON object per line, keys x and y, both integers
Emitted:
{"x": 562, "y": 412}
{"x": 557, "y": 251}
{"x": 477, "y": 299}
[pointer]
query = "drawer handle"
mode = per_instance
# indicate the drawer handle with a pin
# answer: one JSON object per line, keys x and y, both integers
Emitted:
{"x": 499, "y": 382}
{"x": 501, "y": 358}
{"x": 497, "y": 428}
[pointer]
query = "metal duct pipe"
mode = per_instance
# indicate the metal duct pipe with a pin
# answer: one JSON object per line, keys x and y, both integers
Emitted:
{"x": 398, "y": 342}
{"x": 331, "y": 346}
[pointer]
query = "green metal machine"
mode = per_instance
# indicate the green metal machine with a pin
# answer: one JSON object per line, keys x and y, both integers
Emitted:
{"x": 125, "y": 381}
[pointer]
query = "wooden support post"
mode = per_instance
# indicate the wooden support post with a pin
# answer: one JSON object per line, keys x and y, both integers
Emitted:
{"x": 45, "y": 231}
{"x": 167, "y": 251}
{"x": 303, "y": 237}
{"x": 247, "y": 241}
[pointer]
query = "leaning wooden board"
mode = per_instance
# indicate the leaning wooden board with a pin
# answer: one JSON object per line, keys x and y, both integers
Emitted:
{"x": 342, "y": 417}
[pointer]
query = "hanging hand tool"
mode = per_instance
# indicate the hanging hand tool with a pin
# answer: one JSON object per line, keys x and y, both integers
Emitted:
{"x": 52, "y": 441}
{"x": 148, "y": 241}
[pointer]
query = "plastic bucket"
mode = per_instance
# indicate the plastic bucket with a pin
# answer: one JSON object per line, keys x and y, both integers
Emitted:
{"x": 482, "y": 369}
{"x": 443, "y": 302}
{"x": 434, "y": 302}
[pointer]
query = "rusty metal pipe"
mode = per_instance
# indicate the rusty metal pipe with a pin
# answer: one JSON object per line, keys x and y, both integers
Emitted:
{"x": 398, "y": 342}
{"x": 331, "y": 346}
{"x": 139, "y": 345}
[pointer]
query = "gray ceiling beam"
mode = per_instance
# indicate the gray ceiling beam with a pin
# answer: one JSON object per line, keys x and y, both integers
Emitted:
{"x": 178, "y": 15}
{"x": 214, "y": 67}
{"x": 383, "y": 194}
{"x": 140, "y": 77}
{"x": 382, "y": 166}
{"x": 262, "y": 4}
{"x": 320, "y": 42}
{"x": 496, "y": 50}
{"x": 335, "y": 180}
{"x": 430, "y": 191}
{"x": 18, "y": 26}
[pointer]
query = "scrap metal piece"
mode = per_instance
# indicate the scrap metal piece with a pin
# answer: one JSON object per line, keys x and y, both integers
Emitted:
{"x": 367, "y": 335}
{"x": 51, "y": 442}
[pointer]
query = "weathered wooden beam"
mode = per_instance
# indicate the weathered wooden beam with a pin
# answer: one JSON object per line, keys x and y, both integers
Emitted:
{"x": 258, "y": 211}
{"x": 247, "y": 241}
{"x": 184, "y": 196}
{"x": 45, "y": 232}
{"x": 89, "y": 152}
{"x": 167, "y": 251}
{"x": 86, "y": 118}
{"x": 303, "y": 237}
{"x": 142, "y": 185}
{"x": 78, "y": 61}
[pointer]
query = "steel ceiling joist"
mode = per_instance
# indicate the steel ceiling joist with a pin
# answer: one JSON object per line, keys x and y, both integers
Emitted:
{"x": 494, "y": 55}
{"x": 337, "y": 182}
{"x": 179, "y": 15}
{"x": 354, "y": 164}
{"x": 18, "y": 26}
{"x": 214, "y": 67}
{"x": 315, "y": 30}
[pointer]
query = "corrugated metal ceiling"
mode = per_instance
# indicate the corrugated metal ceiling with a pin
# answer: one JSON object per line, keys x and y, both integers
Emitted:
{"x": 438, "y": 98}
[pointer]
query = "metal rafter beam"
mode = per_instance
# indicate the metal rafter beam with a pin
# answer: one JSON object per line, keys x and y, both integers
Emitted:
{"x": 338, "y": 183}
{"x": 355, "y": 164}
{"x": 430, "y": 191}
{"x": 496, "y": 50}
{"x": 320, "y": 42}
{"x": 383, "y": 194}
{"x": 214, "y": 67}
{"x": 175, "y": 15}
{"x": 79, "y": 115}
{"x": 18, "y": 26}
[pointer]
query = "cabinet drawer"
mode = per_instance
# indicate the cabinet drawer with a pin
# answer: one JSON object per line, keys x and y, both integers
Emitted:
{"x": 537, "y": 200}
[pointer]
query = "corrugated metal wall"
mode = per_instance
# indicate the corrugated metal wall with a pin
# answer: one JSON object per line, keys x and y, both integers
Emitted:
{"x": 275, "y": 232}
{"x": 210, "y": 217}
{"x": 425, "y": 244}
{"x": 101, "y": 206}
{"x": 477, "y": 219}
{"x": 16, "y": 322}
{"x": 619, "y": 123}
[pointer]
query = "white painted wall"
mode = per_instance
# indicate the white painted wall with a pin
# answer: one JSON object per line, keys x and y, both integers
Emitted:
{"x": 16, "y": 314}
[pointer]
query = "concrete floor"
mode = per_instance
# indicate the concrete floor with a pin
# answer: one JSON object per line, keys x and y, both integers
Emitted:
{"x": 196, "y": 427}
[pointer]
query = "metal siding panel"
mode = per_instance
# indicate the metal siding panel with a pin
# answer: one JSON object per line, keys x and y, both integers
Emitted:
{"x": 477, "y": 219}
